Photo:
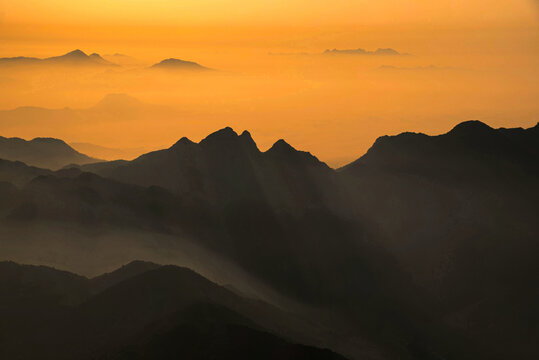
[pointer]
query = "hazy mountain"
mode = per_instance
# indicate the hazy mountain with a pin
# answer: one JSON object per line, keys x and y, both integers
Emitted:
{"x": 161, "y": 312}
{"x": 42, "y": 152}
{"x": 177, "y": 64}
{"x": 75, "y": 57}
{"x": 360, "y": 51}
{"x": 113, "y": 112}
{"x": 107, "y": 153}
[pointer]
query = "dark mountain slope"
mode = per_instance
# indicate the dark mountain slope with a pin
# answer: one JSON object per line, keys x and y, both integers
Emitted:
{"x": 102, "y": 282}
{"x": 159, "y": 313}
{"x": 459, "y": 212}
{"x": 18, "y": 173}
{"x": 46, "y": 153}
{"x": 205, "y": 331}
{"x": 471, "y": 153}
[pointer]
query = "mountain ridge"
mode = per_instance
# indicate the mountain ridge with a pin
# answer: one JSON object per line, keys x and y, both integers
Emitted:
{"x": 75, "y": 57}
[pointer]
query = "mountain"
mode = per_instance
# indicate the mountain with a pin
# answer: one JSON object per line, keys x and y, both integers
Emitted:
{"x": 75, "y": 57}
{"x": 285, "y": 247}
{"x": 359, "y": 51}
{"x": 472, "y": 151}
{"x": 458, "y": 212}
{"x": 102, "y": 120}
{"x": 177, "y": 64}
{"x": 226, "y": 167}
{"x": 157, "y": 311}
{"x": 423, "y": 248}
{"x": 41, "y": 152}
{"x": 18, "y": 173}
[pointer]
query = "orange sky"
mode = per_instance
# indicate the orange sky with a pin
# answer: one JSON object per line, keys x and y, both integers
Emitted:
{"x": 485, "y": 57}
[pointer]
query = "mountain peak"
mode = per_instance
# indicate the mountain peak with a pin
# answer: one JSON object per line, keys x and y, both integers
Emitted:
{"x": 224, "y": 134}
{"x": 282, "y": 146}
{"x": 76, "y": 53}
{"x": 183, "y": 141}
{"x": 471, "y": 127}
{"x": 172, "y": 63}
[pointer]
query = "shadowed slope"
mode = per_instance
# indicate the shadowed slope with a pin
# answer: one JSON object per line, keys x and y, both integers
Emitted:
{"x": 160, "y": 313}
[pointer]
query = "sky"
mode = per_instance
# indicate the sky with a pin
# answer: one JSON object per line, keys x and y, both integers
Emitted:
{"x": 472, "y": 59}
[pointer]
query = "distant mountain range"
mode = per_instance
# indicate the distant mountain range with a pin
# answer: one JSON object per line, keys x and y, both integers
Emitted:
{"x": 359, "y": 51}
{"x": 422, "y": 248}
{"x": 75, "y": 57}
{"x": 41, "y": 152}
{"x": 112, "y": 111}
{"x": 79, "y": 58}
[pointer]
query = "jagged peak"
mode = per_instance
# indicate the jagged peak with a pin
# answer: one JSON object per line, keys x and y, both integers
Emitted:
{"x": 246, "y": 134}
{"x": 182, "y": 142}
{"x": 226, "y": 133}
{"x": 280, "y": 146}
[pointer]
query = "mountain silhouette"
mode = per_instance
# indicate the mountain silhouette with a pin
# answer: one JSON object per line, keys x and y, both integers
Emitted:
{"x": 469, "y": 150}
{"x": 177, "y": 64}
{"x": 166, "y": 311}
{"x": 41, "y": 152}
{"x": 75, "y": 57}
{"x": 226, "y": 166}
{"x": 422, "y": 248}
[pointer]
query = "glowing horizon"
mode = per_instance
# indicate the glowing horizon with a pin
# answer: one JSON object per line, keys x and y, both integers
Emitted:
{"x": 470, "y": 60}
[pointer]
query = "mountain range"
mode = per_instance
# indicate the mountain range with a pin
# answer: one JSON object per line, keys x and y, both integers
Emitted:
{"x": 79, "y": 58}
{"x": 75, "y": 57}
{"x": 423, "y": 248}
{"x": 174, "y": 313}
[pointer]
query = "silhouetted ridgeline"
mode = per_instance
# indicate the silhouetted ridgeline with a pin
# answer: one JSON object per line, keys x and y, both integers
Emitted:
{"x": 42, "y": 152}
{"x": 425, "y": 247}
